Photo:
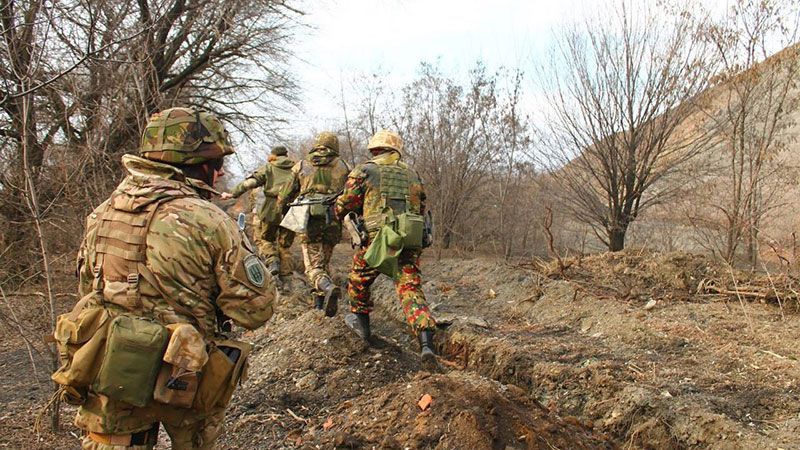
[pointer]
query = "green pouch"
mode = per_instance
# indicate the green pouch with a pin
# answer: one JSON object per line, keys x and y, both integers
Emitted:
{"x": 318, "y": 210}
{"x": 383, "y": 251}
{"x": 411, "y": 227}
{"x": 132, "y": 360}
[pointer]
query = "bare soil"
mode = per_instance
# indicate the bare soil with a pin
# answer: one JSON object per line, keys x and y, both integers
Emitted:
{"x": 619, "y": 350}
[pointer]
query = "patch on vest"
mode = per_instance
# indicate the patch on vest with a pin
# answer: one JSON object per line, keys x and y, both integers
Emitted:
{"x": 255, "y": 270}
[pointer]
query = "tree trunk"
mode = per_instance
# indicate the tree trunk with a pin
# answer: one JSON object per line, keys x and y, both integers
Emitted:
{"x": 616, "y": 239}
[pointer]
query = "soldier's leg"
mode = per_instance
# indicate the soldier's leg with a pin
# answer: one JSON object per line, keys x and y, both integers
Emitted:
{"x": 267, "y": 242}
{"x": 201, "y": 435}
{"x": 409, "y": 290}
{"x": 313, "y": 259}
{"x": 358, "y": 283}
{"x": 284, "y": 241}
{"x": 415, "y": 308}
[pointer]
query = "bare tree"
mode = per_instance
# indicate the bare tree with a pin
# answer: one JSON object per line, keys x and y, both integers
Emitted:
{"x": 449, "y": 139}
{"x": 619, "y": 92}
{"x": 751, "y": 110}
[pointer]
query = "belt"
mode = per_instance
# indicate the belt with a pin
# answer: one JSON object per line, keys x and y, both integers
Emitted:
{"x": 149, "y": 436}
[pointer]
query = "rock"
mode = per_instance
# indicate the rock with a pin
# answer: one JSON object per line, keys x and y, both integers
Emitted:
{"x": 308, "y": 382}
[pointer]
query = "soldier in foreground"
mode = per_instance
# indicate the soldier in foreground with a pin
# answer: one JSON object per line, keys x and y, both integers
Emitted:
{"x": 316, "y": 180}
{"x": 273, "y": 240}
{"x": 389, "y": 196}
{"x": 160, "y": 269}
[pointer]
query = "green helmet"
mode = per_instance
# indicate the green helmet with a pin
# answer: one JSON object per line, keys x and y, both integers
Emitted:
{"x": 279, "y": 150}
{"x": 386, "y": 139}
{"x": 327, "y": 140}
{"x": 176, "y": 135}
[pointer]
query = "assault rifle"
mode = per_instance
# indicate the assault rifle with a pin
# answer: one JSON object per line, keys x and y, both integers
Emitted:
{"x": 323, "y": 200}
{"x": 427, "y": 234}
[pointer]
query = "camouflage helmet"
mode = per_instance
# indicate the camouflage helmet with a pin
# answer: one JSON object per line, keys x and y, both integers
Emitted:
{"x": 176, "y": 135}
{"x": 279, "y": 150}
{"x": 386, "y": 139}
{"x": 327, "y": 140}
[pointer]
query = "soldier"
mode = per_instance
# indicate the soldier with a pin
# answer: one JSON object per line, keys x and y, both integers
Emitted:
{"x": 157, "y": 253}
{"x": 378, "y": 189}
{"x": 319, "y": 176}
{"x": 273, "y": 240}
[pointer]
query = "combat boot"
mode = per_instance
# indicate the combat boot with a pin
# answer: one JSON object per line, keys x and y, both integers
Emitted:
{"x": 359, "y": 322}
{"x": 332, "y": 293}
{"x": 319, "y": 301}
{"x": 426, "y": 346}
{"x": 274, "y": 268}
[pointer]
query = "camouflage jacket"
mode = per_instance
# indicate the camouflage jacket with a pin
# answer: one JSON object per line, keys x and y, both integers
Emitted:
{"x": 364, "y": 195}
{"x": 275, "y": 176}
{"x": 195, "y": 253}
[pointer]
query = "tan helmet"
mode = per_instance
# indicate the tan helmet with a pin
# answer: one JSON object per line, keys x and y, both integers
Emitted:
{"x": 176, "y": 135}
{"x": 327, "y": 140}
{"x": 386, "y": 139}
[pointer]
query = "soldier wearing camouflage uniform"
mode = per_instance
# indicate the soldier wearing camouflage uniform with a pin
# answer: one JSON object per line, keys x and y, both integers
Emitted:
{"x": 321, "y": 174}
{"x": 158, "y": 249}
{"x": 367, "y": 193}
{"x": 273, "y": 241}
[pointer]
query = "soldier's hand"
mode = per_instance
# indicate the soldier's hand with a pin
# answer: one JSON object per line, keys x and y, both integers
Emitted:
{"x": 226, "y": 196}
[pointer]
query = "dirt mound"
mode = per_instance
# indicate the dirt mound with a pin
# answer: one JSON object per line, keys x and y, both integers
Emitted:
{"x": 466, "y": 411}
{"x": 311, "y": 369}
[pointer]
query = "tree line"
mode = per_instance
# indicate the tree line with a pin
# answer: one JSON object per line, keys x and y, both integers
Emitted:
{"x": 676, "y": 115}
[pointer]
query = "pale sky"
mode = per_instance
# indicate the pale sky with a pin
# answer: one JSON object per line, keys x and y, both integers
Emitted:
{"x": 352, "y": 37}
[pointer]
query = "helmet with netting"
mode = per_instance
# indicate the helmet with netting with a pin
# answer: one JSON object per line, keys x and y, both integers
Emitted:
{"x": 327, "y": 140}
{"x": 385, "y": 139}
{"x": 184, "y": 136}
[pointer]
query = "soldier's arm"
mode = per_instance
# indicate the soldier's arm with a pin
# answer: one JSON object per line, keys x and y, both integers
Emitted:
{"x": 256, "y": 179}
{"x": 246, "y": 290}
{"x": 352, "y": 198}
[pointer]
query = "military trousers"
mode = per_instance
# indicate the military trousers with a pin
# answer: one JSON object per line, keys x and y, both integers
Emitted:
{"x": 274, "y": 242}
{"x": 200, "y": 435}
{"x": 408, "y": 286}
{"x": 317, "y": 245}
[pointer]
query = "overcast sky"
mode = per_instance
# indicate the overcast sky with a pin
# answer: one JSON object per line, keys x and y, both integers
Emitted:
{"x": 351, "y": 37}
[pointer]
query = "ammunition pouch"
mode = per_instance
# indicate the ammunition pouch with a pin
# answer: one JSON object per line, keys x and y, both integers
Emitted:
{"x": 226, "y": 367}
{"x": 80, "y": 338}
{"x": 132, "y": 360}
{"x": 318, "y": 205}
{"x": 412, "y": 228}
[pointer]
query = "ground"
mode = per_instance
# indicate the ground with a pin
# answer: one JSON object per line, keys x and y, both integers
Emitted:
{"x": 631, "y": 350}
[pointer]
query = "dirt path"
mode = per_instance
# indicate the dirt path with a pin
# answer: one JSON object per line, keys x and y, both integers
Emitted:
{"x": 619, "y": 352}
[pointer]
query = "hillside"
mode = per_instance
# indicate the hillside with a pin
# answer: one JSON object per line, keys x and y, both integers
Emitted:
{"x": 629, "y": 350}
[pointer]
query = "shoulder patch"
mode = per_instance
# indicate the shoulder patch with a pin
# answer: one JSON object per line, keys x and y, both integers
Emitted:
{"x": 255, "y": 270}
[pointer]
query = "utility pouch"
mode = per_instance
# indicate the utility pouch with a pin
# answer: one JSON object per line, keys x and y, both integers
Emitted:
{"x": 412, "y": 228}
{"x": 80, "y": 339}
{"x": 384, "y": 250}
{"x": 317, "y": 209}
{"x": 132, "y": 360}
{"x": 175, "y": 386}
{"x": 226, "y": 367}
{"x": 184, "y": 358}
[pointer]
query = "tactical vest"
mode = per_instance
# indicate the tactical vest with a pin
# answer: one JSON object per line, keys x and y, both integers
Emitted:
{"x": 121, "y": 257}
{"x": 320, "y": 179}
{"x": 280, "y": 178}
{"x": 394, "y": 192}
